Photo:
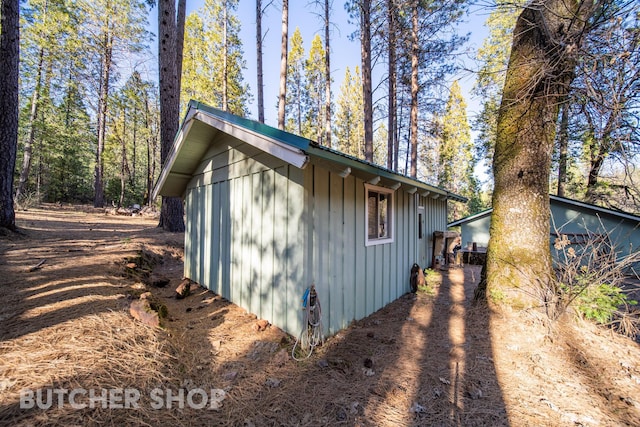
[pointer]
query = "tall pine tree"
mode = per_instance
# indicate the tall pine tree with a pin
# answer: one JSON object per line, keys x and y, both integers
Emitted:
{"x": 296, "y": 102}
{"x": 315, "y": 73}
{"x": 349, "y": 123}
{"x": 213, "y": 58}
{"x": 9, "y": 51}
{"x": 455, "y": 152}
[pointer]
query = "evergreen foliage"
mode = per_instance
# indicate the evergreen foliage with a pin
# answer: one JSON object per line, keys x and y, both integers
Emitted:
{"x": 349, "y": 128}
{"x": 296, "y": 105}
{"x": 315, "y": 74}
{"x": 204, "y": 62}
{"x": 456, "y": 162}
{"x": 69, "y": 105}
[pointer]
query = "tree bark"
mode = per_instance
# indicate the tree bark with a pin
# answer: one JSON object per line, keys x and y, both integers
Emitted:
{"x": 225, "y": 60}
{"x": 413, "y": 167}
{"x": 595, "y": 165}
{"x": 547, "y": 36}
{"x": 180, "y": 23}
{"x": 259, "y": 61}
{"x": 33, "y": 116}
{"x": 600, "y": 146}
{"x": 327, "y": 88}
{"x": 172, "y": 211}
{"x": 284, "y": 49}
{"x": 134, "y": 156}
{"x": 147, "y": 123}
{"x": 563, "y": 144}
{"x": 367, "y": 91}
{"x": 9, "y": 66}
{"x": 123, "y": 160}
{"x": 391, "y": 137}
{"x": 103, "y": 98}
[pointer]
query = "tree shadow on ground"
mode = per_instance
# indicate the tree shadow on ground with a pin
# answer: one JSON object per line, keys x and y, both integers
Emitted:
{"x": 66, "y": 326}
{"x": 421, "y": 360}
{"x": 414, "y": 362}
{"x": 61, "y": 269}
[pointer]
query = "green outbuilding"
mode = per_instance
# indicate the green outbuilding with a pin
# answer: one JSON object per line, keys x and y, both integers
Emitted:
{"x": 269, "y": 213}
{"x": 577, "y": 221}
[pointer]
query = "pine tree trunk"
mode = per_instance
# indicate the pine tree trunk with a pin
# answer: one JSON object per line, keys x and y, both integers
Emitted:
{"x": 547, "y": 37}
{"x": 134, "y": 156}
{"x": 367, "y": 91}
{"x": 9, "y": 66}
{"x": 123, "y": 161}
{"x": 33, "y": 116}
{"x": 327, "y": 87}
{"x": 172, "y": 211}
{"x": 147, "y": 124}
{"x": 260, "y": 73}
{"x": 284, "y": 47}
{"x": 599, "y": 148}
{"x": 413, "y": 168}
{"x": 180, "y": 23}
{"x": 391, "y": 137}
{"x": 592, "y": 178}
{"x": 563, "y": 144}
{"x": 225, "y": 61}
{"x": 105, "y": 72}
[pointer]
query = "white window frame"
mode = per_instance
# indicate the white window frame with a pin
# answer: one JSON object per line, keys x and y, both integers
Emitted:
{"x": 391, "y": 212}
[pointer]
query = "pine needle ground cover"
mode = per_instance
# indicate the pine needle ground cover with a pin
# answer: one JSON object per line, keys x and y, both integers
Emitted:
{"x": 432, "y": 358}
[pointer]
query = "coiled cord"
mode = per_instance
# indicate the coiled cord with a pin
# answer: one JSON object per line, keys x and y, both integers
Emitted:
{"x": 311, "y": 334}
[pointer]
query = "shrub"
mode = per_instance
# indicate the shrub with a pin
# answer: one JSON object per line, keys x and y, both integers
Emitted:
{"x": 27, "y": 201}
{"x": 590, "y": 278}
{"x": 601, "y": 302}
{"x": 432, "y": 279}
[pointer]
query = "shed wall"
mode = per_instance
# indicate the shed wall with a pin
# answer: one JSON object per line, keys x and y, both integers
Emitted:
{"x": 244, "y": 235}
{"x": 354, "y": 280}
{"x": 260, "y": 231}
{"x": 436, "y": 220}
{"x": 476, "y": 231}
{"x": 623, "y": 234}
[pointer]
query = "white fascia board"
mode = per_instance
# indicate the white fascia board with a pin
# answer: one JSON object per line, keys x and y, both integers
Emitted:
{"x": 289, "y": 154}
{"x": 166, "y": 170}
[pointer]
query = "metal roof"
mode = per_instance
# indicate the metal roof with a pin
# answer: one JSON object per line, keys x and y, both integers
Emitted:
{"x": 261, "y": 128}
{"x": 470, "y": 218}
{"x": 202, "y": 122}
{"x": 595, "y": 208}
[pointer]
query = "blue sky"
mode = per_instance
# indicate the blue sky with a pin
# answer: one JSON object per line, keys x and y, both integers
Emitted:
{"x": 344, "y": 52}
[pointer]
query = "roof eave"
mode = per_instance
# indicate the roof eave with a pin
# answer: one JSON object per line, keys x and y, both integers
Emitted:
{"x": 173, "y": 155}
{"x": 290, "y": 148}
{"x": 290, "y": 154}
{"x": 282, "y": 150}
{"x": 595, "y": 208}
{"x": 346, "y": 164}
{"x": 470, "y": 218}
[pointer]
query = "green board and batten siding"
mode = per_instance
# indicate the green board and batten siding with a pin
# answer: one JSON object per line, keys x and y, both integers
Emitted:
{"x": 571, "y": 217}
{"x": 259, "y": 231}
{"x": 243, "y": 238}
{"x": 269, "y": 213}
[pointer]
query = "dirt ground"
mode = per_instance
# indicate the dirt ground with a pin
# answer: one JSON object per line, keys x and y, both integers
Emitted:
{"x": 433, "y": 359}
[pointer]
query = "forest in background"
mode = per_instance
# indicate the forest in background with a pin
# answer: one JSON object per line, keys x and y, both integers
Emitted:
{"x": 89, "y": 103}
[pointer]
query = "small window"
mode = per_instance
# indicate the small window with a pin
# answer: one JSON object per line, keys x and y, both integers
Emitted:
{"x": 379, "y": 211}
